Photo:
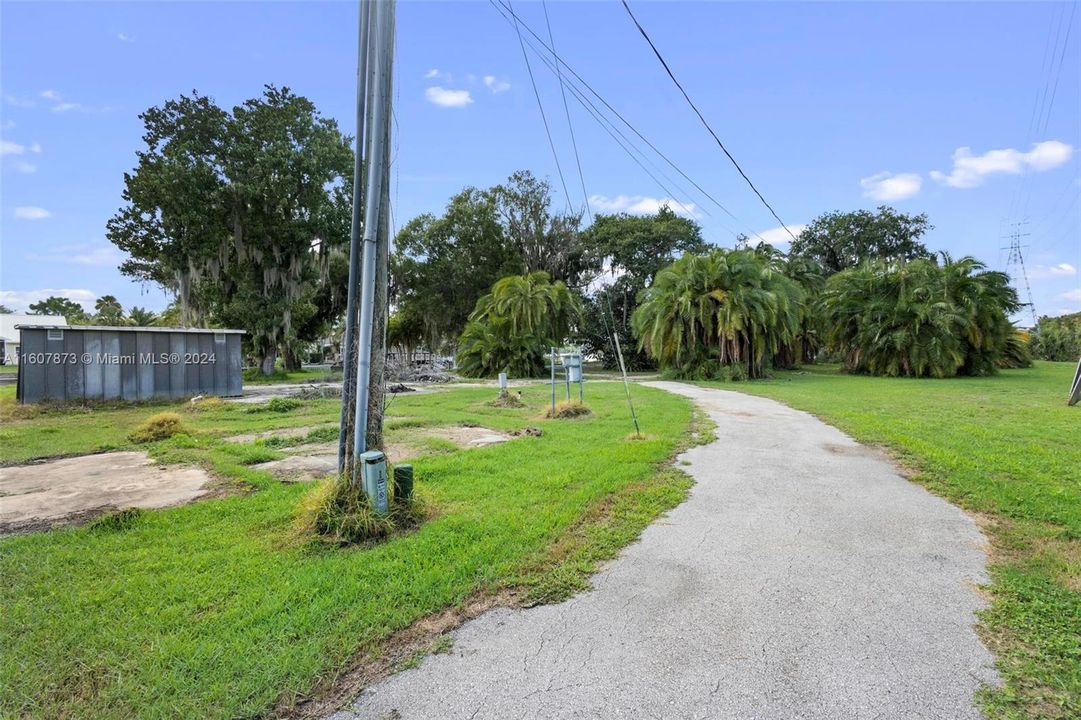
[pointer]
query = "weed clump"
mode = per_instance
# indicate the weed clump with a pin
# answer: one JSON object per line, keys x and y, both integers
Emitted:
{"x": 157, "y": 427}
{"x": 338, "y": 512}
{"x": 277, "y": 405}
{"x": 116, "y": 521}
{"x": 568, "y": 409}
{"x": 199, "y": 403}
{"x": 507, "y": 400}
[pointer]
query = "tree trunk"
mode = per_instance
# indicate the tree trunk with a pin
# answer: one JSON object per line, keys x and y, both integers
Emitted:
{"x": 290, "y": 359}
{"x": 266, "y": 363}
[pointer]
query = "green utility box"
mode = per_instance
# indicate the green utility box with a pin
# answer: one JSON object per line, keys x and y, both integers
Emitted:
{"x": 373, "y": 471}
{"x": 403, "y": 483}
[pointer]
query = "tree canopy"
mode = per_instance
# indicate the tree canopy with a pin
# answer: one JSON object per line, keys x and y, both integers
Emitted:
{"x": 443, "y": 265}
{"x": 725, "y": 309}
{"x": 239, "y": 212}
{"x": 841, "y": 240}
{"x": 70, "y": 310}
{"x": 921, "y": 318}
{"x": 513, "y": 326}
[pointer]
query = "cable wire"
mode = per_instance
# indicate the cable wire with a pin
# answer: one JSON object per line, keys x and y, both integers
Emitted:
{"x": 540, "y": 106}
{"x": 703, "y": 119}
{"x": 567, "y": 111}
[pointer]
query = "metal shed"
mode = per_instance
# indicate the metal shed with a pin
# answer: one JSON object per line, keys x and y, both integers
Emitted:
{"x": 126, "y": 363}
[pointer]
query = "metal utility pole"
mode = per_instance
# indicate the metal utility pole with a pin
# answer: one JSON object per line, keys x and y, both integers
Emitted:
{"x": 376, "y": 52}
{"x": 349, "y": 337}
{"x": 1018, "y": 259}
{"x": 377, "y": 378}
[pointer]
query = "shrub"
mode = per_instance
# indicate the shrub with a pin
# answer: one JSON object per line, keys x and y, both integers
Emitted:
{"x": 1017, "y": 352}
{"x": 1058, "y": 338}
{"x": 338, "y": 512}
{"x": 157, "y": 427}
{"x": 920, "y": 318}
{"x": 569, "y": 409}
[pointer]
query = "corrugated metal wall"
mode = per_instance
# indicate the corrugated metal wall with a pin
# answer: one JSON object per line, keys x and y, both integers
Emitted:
{"x": 127, "y": 364}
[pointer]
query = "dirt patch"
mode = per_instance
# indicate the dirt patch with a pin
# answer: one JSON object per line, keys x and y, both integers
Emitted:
{"x": 74, "y": 490}
{"x": 317, "y": 460}
{"x": 420, "y": 638}
{"x": 466, "y": 437}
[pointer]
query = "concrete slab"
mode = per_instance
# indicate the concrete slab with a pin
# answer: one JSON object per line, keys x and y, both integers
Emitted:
{"x": 803, "y": 578}
{"x": 44, "y": 494}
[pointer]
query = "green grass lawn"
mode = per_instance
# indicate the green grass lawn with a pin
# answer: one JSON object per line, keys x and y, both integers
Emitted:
{"x": 252, "y": 376}
{"x": 218, "y": 609}
{"x": 1008, "y": 448}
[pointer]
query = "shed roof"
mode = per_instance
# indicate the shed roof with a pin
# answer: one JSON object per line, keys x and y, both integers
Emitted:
{"x": 131, "y": 328}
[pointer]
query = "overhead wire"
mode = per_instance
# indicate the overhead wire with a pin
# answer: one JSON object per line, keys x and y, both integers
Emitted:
{"x": 513, "y": 19}
{"x": 702, "y": 118}
{"x": 567, "y": 111}
{"x": 540, "y": 106}
{"x": 613, "y": 131}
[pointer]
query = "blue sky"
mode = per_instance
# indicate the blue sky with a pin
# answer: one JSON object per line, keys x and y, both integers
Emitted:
{"x": 926, "y": 106}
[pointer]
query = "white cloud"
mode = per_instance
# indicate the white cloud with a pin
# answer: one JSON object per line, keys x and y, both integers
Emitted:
{"x": 1074, "y": 295}
{"x": 778, "y": 235}
{"x": 80, "y": 255}
{"x": 35, "y": 148}
{"x": 496, "y": 85}
{"x": 29, "y": 212}
{"x": 431, "y": 74}
{"x": 21, "y": 300}
{"x": 971, "y": 170}
{"x": 641, "y": 205}
{"x": 888, "y": 187}
{"x": 65, "y": 107}
{"x": 50, "y": 94}
{"x": 448, "y": 98}
{"x": 19, "y": 102}
{"x": 25, "y": 167}
{"x": 11, "y": 148}
{"x": 124, "y": 37}
{"x": 1040, "y": 272}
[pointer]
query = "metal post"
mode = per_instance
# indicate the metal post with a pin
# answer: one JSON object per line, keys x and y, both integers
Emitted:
{"x": 349, "y": 337}
{"x": 553, "y": 382}
{"x": 623, "y": 369}
{"x": 382, "y": 47}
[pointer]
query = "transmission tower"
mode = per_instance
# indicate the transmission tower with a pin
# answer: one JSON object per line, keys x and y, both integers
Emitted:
{"x": 1017, "y": 258}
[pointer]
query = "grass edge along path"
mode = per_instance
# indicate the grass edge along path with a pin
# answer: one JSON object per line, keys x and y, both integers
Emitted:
{"x": 1007, "y": 450}
{"x": 214, "y": 609}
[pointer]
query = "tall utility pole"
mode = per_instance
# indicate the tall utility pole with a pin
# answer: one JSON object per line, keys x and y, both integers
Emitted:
{"x": 349, "y": 338}
{"x": 367, "y": 254}
{"x": 1016, "y": 258}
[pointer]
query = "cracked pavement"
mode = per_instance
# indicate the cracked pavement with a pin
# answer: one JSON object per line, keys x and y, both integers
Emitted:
{"x": 802, "y": 578}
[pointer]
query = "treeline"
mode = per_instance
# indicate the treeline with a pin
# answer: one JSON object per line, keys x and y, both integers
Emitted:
{"x": 107, "y": 311}
{"x": 244, "y": 215}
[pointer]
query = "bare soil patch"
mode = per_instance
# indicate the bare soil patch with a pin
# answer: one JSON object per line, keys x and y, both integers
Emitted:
{"x": 317, "y": 460}
{"x": 73, "y": 490}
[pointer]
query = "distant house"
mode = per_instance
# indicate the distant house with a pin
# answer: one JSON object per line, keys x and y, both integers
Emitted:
{"x": 9, "y": 335}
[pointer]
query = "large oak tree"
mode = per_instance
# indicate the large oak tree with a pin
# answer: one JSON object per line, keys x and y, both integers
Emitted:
{"x": 239, "y": 213}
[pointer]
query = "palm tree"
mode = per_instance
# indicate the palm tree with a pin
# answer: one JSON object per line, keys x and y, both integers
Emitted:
{"x": 725, "y": 308}
{"x": 109, "y": 310}
{"x": 920, "y": 318}
{"x": 141, "y": 317}
{"x": 512, "y": 327}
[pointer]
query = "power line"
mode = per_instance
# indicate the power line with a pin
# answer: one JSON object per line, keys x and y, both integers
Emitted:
{"x": 703, "y": 119}
{"x": 567, "y": 111}
{"x": 625, "y": 144}
{"x": 540, "y": 106}
{"x": 504, "y": 10}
